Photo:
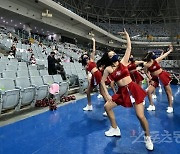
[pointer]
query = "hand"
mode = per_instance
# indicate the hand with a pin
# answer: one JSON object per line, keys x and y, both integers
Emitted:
{"x": 124, "y": 33}
{"x": 170, "y": 48}
{"x": 93, "y": 39}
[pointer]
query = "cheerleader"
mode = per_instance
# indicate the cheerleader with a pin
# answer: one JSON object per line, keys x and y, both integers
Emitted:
{"x": 128, "y": 92}
{"x": 90, "y": 65}
{"x": 134, "y": 73}
{"x": 157, "y": 73}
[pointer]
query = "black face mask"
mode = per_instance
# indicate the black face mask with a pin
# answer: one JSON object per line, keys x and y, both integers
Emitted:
{"x": 85, "y": 60}
{"x": 115, "y": 58}
{"x": 153, "y": 57}
{"x": 131, "y": 59}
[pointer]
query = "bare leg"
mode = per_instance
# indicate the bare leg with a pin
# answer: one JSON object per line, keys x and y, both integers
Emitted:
{"x": 144, "y": 124}
{"x": 149, "y": 93}
{"x": 88, "y": 92}
{"x": 108, "y": 107}
{"x": 142, "y": 119}
{"x": 154, "y": 92}
{"x": 101, "y": 90}
{"x": 169, "y": 94}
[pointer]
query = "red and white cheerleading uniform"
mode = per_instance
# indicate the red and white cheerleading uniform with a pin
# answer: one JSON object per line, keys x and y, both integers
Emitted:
{"x": 96, "y": 76}
{"x": 164, "y": 76}
{"x": 135, "y": 75}
{"x": 124, "y": 93}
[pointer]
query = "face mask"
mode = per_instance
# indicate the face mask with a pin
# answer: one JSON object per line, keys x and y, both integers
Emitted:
{"x": 85, "y": 60}
{"x": 153, "y": 57}
{"x": 115, "y": 58}
{"x": 131, "y": 59}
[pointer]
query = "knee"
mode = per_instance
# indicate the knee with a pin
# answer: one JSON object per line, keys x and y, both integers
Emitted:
{"x": 87, "y": 91}
{"x": 149, "y": 92}
{"x": 140, "y": 116}
{"x": 168, "y": 90}
{"x": 106, "y": 106}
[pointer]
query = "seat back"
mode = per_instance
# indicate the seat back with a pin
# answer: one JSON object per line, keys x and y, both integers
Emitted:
{"x": 21, "y": 67}
{"x": 9, "y": 74}
{"x": 43, "y": 72}
{"x": 33, "y": 72}
{"x": 36, "y": 80}
{"x": 57, "y": 78}
{"x": 32, "y": 67}
{"x": 22, "y": 73}
{"x": 48, "y": 79}
{"x": 22, "y": 64}
{"x": 11, "y": 67}
{"x": 6, "y": 84}
{"x": 22, "y": 82}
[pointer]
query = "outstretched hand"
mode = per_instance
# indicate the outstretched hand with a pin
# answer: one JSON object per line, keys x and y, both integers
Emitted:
{"x": 93, "y": 39}
{"x": 170, "y": 48}
{"x": 123, "y": 33}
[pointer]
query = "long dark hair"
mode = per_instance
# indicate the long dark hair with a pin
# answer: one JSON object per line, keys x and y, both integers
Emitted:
{"x": 148, "y": 56}
{"x": 132, "y": 61}
{"x": 104, "y": 61}
{"x": 83, "y": 60}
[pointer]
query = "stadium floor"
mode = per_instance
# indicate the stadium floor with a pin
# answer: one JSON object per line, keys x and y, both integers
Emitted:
{"x": 69, "y": 130}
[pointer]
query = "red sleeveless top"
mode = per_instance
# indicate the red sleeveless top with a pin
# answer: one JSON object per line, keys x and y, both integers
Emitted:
{"x": 90, "y": 66}
{"x": 119, "y": 73}
{"x": 154, "y": 67}
{"x": 131, "y": 66}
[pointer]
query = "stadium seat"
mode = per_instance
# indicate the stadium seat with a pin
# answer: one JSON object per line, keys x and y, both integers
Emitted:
{"x": 9, "y": 74}
{"x": 27, "y": 92}
{"x": 9, "y": 95}
{"x": 22, "y": 73}
{"x": 64, "y": 86}
{"x": 41, "y": 88}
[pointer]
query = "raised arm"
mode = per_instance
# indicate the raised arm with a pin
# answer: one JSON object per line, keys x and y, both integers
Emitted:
{"x": 127, "y": 54}
{"x": 162, "y": 52}
{"x": 139, "y": 62}
{"x": 159, "y": 59}
{"x": 94, "y": 49}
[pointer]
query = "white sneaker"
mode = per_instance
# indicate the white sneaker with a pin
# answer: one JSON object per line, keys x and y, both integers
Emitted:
{"x": 160, "y": 90}
{"x": 151, "y": 108}
{"x": 169, "y": 110}
{"x": 105, "y": 114}
{"x": 154, "y": 96}
{"x": 113, "y": 132}
{"x": 88, "y": 108}
{"x": 148, "y": 142}
{"x": 99, "y": 96}
{"x": 144, "y": 103}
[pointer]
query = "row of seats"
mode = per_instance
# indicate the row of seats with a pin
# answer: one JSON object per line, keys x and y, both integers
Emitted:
{"x": 22, "y": 73}
{"x": 24, "y": 91}
{"x": 76, "y": 75}
{"x": 170, "y": 63}
{"x": 73, "y": 73}
{"x": 22, "y": 84}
